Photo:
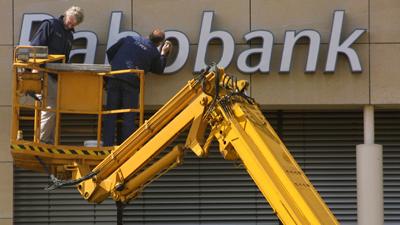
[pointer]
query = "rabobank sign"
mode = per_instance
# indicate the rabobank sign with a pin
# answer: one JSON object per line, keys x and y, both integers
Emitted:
{"x": 337, "y": 45}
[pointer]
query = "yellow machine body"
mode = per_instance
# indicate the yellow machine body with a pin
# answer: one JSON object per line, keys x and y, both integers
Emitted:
{"x": 213, "y": 103}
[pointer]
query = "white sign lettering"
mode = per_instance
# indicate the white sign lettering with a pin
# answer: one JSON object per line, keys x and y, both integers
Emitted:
{"x": 207, "y": 34}
{"x": 335, "y": 47}
{"x": 290, "y": 41}
{"x": 265, "y": 52}
{"x": 26, "y": 29}
{"x": 183, "y": 51}
{"x": 91, "y": 45}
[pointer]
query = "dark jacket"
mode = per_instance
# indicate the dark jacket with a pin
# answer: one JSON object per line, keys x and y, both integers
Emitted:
{"x": 135, "y": 53}
{"x": 53, "y": 34}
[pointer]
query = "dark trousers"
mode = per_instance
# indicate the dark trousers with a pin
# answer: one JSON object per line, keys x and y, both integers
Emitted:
{"x": 120, "y": 95}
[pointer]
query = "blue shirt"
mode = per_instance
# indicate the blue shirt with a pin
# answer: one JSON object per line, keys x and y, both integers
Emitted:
{"x": 135, "y": 53}
{"x": 53, "y": 34}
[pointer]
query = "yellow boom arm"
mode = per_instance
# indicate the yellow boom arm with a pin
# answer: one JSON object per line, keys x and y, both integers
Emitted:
{"x": 217, "y": 101}
{"x": 213, "y": 103}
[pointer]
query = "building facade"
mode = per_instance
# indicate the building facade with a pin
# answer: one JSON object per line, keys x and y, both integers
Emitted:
{"x": 317, "y": 68}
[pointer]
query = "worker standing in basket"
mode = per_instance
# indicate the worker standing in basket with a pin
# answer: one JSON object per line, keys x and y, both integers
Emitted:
{"x": 57, "y": 35}
{"x": 131, "y": 52}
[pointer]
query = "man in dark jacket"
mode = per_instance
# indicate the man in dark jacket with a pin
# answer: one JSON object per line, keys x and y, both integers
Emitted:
{"x": 57, "y": 35}
{"x": 123, "y": 90}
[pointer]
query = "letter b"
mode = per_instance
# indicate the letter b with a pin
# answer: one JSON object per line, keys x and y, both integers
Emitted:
{"x": 206, "y": 36}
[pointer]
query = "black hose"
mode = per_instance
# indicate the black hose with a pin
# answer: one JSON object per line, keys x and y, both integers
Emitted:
{"x": 57, "y": 183}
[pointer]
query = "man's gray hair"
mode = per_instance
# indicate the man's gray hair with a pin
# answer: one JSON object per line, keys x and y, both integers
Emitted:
{"x": 75, "y": 11}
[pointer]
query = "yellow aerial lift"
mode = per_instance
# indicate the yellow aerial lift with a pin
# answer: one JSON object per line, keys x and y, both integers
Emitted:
{"x": 213, "y": 103}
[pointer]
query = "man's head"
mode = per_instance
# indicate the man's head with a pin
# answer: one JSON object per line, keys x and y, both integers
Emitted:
{"x": 73, "y": 17}
{"x": 157, "y": 37}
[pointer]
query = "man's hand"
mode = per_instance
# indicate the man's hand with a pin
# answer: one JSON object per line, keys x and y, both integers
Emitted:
{"x": 166, "y": 48}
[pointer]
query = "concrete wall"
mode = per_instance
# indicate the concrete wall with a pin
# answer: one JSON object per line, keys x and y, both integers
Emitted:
{"x": 6, "y": 165}
{"x": 373, "y": 85}
{"x": 377, "y": 49}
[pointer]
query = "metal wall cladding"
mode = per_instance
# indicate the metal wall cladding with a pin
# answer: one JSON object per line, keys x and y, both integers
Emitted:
{"x": 215, "y": 191}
